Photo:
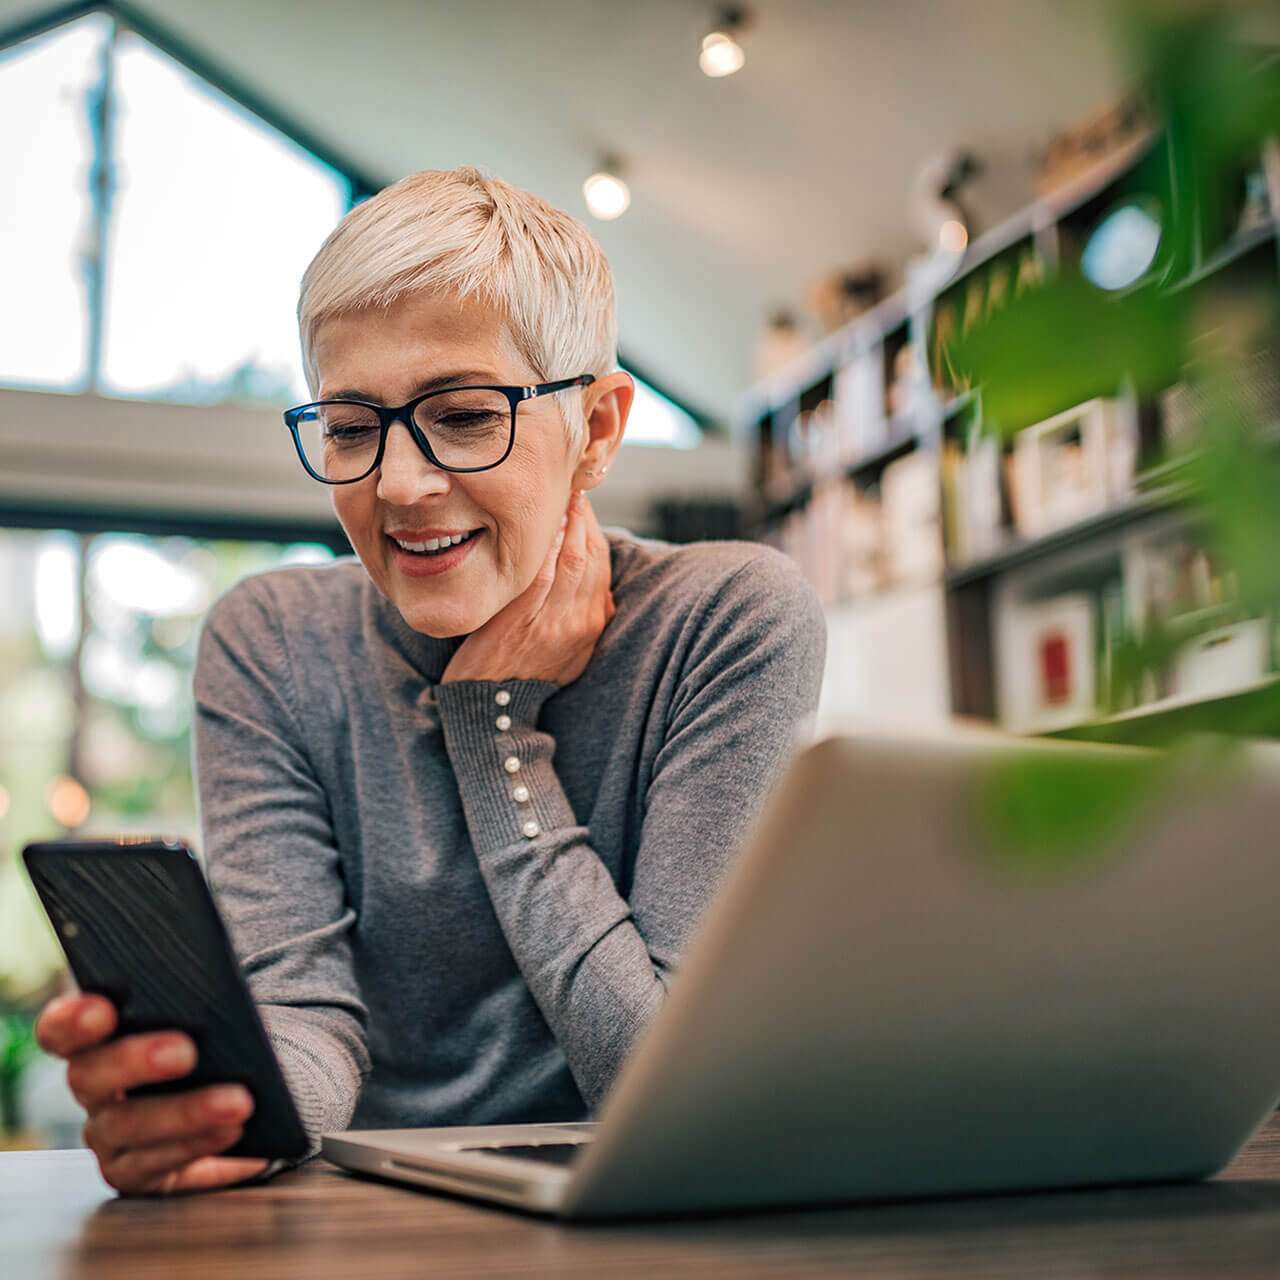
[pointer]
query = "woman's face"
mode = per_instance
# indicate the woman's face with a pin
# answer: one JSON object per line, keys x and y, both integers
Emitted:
{"x": 511, "y": 513}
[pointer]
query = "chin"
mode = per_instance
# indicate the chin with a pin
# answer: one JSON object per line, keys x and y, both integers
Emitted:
{"x": 441, "y": 619}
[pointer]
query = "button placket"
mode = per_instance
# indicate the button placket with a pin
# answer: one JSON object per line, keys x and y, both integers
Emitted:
{"x": 529, "y": 828}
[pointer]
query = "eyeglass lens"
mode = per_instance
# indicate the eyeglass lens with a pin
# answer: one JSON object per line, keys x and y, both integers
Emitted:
{"x": 465, "y": 428}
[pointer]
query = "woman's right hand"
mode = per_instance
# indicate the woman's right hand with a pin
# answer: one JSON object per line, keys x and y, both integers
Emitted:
{"x": 156, "y": 1144}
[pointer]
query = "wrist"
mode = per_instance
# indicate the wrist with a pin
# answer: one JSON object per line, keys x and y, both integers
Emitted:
{"x": 484, "y": 702}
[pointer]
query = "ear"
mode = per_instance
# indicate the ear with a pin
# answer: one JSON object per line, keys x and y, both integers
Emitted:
{"x": 605, "y": 403}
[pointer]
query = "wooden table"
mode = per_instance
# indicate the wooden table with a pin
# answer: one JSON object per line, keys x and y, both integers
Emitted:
{"x": 58, "y": 1219}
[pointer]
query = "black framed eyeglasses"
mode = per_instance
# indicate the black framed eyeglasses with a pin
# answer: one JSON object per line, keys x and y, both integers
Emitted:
{"x": 457, "y": 428}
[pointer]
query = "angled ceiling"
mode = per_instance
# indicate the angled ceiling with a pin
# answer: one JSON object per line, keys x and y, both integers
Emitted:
{"x": 743, "y": 190}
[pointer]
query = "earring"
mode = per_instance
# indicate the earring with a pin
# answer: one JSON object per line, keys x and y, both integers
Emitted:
{"x": 594, "y": 474}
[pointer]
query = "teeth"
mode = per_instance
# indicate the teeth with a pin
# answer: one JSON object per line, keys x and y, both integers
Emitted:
{"x": 433, "y": 544}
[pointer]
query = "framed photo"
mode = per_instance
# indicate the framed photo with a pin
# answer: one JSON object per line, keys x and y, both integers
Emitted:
{"x": 1047, "y": 666}
{"x": 1073, "y": 465}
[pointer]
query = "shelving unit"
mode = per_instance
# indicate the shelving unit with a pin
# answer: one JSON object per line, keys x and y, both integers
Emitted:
{"x": 1243, "y": 243}
{"x": 1023, "y": 551}
{"x": 1255, "y": 708}
{"x": 836, "y": 426}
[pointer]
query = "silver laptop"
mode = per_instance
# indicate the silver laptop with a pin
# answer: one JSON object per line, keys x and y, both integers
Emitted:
{"x": 901, "y": 991}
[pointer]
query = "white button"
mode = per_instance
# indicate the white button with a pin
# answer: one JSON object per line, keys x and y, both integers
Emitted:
{"x": 502, "y": 697}
{"x": 531, "y": 828}
{"x": 520, "y": 794}
{"x": 511, "y": 764}
{"x": 503, "y": 723}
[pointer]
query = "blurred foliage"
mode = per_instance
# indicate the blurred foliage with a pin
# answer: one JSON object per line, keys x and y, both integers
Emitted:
{"x": 1067, "y": 341}
{"x": 1235, "y": 477}
{"x": 1059, "y": 809}
{"x": 1062, "y": 809}
{"x": 1217, "y": 100}
{"x": 17, "y": 1048}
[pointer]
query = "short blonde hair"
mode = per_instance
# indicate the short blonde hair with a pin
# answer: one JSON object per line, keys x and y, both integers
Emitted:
{"x": 459, "y": 231}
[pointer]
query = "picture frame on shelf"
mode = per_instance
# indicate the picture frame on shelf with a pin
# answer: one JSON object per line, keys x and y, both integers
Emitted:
{"x": 1047, "y": 668}
{"x": 1073, "y": 465}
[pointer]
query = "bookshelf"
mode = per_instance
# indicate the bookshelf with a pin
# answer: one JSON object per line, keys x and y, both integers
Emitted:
{"x": 870, "y": 437}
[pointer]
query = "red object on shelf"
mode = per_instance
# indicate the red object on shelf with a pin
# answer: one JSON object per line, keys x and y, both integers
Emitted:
{"x": 1055, "y": 669}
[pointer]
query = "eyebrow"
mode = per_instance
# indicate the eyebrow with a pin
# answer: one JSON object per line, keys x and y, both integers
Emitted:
{"x": 459, "y": 377}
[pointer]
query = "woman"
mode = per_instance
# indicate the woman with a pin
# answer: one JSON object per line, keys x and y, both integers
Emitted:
{"x": 464, "y": 798}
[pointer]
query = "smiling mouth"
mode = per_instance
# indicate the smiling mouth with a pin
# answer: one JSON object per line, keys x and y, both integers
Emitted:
{"x": 434, "y": 546}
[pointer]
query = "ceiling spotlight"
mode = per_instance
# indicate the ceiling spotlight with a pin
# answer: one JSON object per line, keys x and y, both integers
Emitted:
{"x": 721, "y": 54}
{"x": 606, "y": 194}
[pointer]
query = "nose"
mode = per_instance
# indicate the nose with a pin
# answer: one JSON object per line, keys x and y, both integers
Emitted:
{"x": 406, "y": 474}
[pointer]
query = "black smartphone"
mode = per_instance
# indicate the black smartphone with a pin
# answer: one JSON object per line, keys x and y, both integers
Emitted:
{"x": 138, "y": 925}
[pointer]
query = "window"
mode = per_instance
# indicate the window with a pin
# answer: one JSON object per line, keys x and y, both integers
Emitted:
{"x": 657, "y": 420}
{"x": 45, "y": 205}
{"x": 134, "y": 229}
{"x": 98, "y": 638}
{"x": 194, "y": 169}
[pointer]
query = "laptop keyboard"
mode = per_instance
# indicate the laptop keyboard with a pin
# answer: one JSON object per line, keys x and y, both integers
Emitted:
{"x": 561, "y": 1153}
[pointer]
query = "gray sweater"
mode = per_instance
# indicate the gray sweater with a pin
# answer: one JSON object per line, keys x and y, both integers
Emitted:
{"x": 448, "y": 918}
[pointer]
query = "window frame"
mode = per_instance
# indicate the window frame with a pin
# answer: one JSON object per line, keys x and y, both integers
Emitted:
{"x": 176, "y": 523}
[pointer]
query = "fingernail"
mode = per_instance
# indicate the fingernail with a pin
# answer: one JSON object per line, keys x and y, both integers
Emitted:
{"x": 229, "y": 1100}
{"x": 94, "y": 1021}
{"x": 174, "y": 1055}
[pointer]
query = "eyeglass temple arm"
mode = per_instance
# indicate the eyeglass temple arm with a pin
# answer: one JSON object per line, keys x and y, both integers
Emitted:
{"x": 546, "y": 388}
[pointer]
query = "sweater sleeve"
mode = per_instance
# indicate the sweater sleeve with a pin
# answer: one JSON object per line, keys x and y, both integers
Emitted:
{"x": 272, "y": 859}
{"x": 597, "y": 964}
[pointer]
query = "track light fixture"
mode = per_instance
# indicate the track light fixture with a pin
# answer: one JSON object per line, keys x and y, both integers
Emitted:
{"x": 721, "y": 54}
{"x": 607, "y": 195}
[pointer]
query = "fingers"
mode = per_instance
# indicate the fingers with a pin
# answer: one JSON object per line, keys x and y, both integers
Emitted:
{"x": 596, "y": 539}
{"x": 190, "y": 1165}
{"x": 149, "y": 1145}
{"x": 166, "y": 1119}
{"x": 531, "y": 600}
{"x": 594, "y": 597}
{"x": 99, "y": 1075}
{"x": 73, "y": 1023}
{"x": 146, "y": 1167}
{"x": 213, "y": 1171}
{"x": 574, "y": 560}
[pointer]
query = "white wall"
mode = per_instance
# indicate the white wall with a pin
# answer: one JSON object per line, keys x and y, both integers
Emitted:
{"x": 887, "y": 663}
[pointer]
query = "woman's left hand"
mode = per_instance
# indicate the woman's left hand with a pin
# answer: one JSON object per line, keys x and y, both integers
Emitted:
{"x": 550, "y": 630}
